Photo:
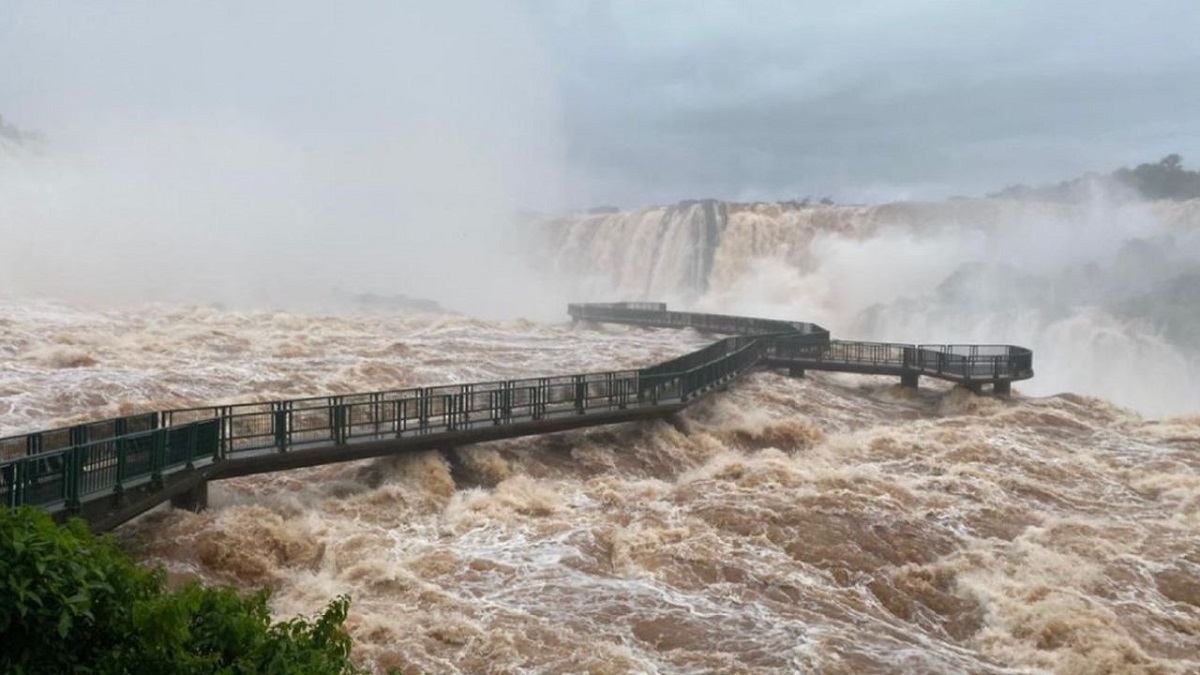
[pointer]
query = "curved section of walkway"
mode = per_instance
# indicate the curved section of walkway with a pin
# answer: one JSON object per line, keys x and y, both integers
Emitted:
{"x": 808, "y": 346}
{"x": 110, "y": 471}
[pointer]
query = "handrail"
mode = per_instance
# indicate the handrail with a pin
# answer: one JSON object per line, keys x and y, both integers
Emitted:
{"x": 62, "y": 468}
{"x": 658, "y": 316}
{"x": 65, "y": 437}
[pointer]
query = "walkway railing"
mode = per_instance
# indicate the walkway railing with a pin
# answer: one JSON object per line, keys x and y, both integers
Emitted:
{"x": 64, "y": 468}
{"x": 960, "y": 363}
{"x": 656, "y": 315}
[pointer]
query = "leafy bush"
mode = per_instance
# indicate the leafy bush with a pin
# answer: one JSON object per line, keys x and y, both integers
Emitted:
{"x": 73, "y": 602}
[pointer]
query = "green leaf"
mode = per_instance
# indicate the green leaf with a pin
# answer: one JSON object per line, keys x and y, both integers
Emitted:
{"x": 111, "y": 616}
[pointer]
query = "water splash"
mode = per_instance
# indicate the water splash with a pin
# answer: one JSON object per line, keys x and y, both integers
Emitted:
{"x": 834, "y": 523}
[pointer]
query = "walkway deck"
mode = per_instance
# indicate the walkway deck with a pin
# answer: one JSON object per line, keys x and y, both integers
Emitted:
{"x": 110, "y": 471}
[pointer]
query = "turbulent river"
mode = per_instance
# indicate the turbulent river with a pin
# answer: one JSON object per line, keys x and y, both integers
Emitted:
{"x": 828, "y": 524}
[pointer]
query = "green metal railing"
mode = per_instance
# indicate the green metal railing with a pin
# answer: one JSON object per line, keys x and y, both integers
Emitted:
{"x": 66, "y": 437}
{"x": 63, "y": 479}
{"x": 62, "y": 468}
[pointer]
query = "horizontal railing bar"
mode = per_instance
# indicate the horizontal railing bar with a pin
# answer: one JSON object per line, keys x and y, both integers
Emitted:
{"x": 63, "y": 467}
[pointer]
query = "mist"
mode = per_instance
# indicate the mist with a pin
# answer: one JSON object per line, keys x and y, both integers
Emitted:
{"x": 273, "y": 155}
{"x": 1082, "y": 287}
{"x": 292, "y": 156}
{"x": 1105, "y": 292}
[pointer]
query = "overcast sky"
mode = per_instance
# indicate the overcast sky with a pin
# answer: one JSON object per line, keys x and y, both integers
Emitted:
{"x": 870, "y": 99}
{"x": 631, "y": 102}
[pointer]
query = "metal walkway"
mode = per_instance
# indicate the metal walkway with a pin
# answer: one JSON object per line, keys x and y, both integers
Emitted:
{"x": 110, "y": 471}
{"x": 969, "y": 365}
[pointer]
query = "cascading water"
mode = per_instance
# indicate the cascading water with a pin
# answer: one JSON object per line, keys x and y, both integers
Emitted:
{"x": 657, "y": 252}
{"x": 1109, "y": 288}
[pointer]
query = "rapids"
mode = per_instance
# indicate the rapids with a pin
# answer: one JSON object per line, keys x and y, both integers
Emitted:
{"x": 832, "y": 524}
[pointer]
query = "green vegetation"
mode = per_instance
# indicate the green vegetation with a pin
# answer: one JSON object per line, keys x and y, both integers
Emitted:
{"x": 12, "y": 133}
{"x": 72, "y": 602}
{"x": 1165, "y": 179}
{"x": 808, "y": 202}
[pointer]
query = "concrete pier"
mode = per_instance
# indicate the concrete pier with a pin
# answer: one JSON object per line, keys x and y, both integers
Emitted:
{"x": 194, "y": 499}
{"x": 910, "y": 380}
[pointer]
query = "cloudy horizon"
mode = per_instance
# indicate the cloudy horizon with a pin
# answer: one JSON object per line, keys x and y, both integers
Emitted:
{"x": 870, "y": 100}
{"x": 632, "y": 103}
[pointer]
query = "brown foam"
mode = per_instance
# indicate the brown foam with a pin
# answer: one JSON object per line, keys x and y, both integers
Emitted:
{"x": 827, "y": 524}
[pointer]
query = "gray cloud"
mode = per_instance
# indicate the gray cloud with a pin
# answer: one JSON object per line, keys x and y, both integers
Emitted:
{"x": 869, "y": 100}
{"x": 377, "y": 145}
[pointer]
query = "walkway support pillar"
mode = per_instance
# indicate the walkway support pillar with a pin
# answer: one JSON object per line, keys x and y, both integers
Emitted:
{"x": 910, "y": 380}
{"x": 195, "y": 499}
{"x": 795, "y": 371}
{"x": 1002, "y": 387}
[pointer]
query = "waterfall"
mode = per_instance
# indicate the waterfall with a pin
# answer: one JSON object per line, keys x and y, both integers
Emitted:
{"x": 1106, "y": 271}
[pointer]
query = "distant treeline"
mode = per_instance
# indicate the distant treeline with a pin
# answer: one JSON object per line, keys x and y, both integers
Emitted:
{"x": 1165, "y": 179}
{"x": 12, "y": 133}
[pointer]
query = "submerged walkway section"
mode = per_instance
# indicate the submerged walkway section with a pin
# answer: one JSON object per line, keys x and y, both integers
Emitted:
{"x": 110, "y": 471}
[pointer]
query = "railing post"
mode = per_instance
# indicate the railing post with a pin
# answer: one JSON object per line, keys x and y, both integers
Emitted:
{"x": 377, "y": 410}
{"x": 580, "y": 394}
{"x": 337, "y": 420}
{"x": 343, "y": 420}
{"x": 225, "y": 415}
{"x": 22, "y": 482}
{"x": 543, "y": 396}
{"x": 72, "y": 472}
{"x": 122, "y": 448}
{"x": 8, "y": 477}
{"x": 158, "y": 455}
{"x": 422, "y": 410}
{"x": 279, "y": 423}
